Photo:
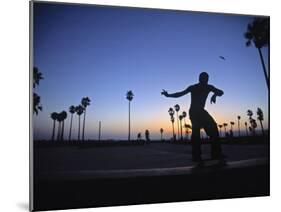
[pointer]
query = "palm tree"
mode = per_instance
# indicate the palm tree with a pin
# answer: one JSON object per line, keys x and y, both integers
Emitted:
{"x": 246, "y": 126}
{"x": 161, "y": 132}
{"x": 260, "y": 118}
{"x": 63, "y": 115}
{"x": 72, "y": 111}
{"x": 36, "y": 103}
{"x": 60, "y": 119}
{"x": 129, "y": 97}
{"x": 54, "y": 116}
{"x": 84, "y": 102}
{"x": 187, "y": 127}
{"x": 220, "y": 126}
{"x": 177, "y": 108}
{"x": 253, "y": 126}
{"x": 225, "y": 125}
{"x": 231, "y": 128}
{"x": 258, "y": 33}
{"x": 184, "y": 116}
{"x": 37, "y": 76}
{"x": 79, "y": 111}
{"x": 171, "y": 111}
{"x": 180, "y": 118}
{"x": 173, "y": 121}
{"x": 250, "y": 114}
{"x": 239, "y": 117}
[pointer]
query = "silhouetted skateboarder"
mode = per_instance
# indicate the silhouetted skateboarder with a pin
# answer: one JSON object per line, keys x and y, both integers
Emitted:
{"x": 200, "y": 118}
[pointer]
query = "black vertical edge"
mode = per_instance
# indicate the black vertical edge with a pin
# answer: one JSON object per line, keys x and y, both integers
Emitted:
{"x": 31, "y": 178}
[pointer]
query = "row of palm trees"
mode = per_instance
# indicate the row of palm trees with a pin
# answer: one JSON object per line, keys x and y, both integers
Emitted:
{"x": 60, "y": 118}
{"x": 181, "y": 117}
{"x": 180, "y": 120}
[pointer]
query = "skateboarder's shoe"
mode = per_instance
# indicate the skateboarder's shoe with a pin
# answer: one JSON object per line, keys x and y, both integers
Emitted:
{"x": 196, "y": 159}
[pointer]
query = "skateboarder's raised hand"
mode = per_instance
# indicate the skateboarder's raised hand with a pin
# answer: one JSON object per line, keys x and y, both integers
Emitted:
{"x": 165, "y": 93}
{"x": 213, "y": 99}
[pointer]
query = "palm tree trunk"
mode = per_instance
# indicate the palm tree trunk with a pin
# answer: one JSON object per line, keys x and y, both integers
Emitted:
{"x": 70, "y": 128}
{"x": 247, "y": 131}
{"x": 178, "y": 126}
{"x": 58, "y": 133}
{"x": 79, "y": 128}
{"x": 181, "y": 129}
{"x": 54, "y": 128}
{"x": 220, "y": 133}
{"x": 264, "y": 69}
{"x": 129, "y": 133}
{"x": 238, "y": 127}
{"x": 173, "y": 131}
{"x": 262, "y": 128}
{"x": 62, "y": 130}
{"x": 84, "y": 125}
{"x": 224, "y": 131}
{"x": 99, "y": 129}
{"x": 161, "y": 136}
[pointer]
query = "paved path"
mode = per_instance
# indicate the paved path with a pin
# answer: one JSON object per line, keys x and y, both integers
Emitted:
{"x": 71, "y": 159}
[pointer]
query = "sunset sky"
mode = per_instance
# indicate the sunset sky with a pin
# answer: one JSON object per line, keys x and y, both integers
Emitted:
{"x": 102, "y": 52}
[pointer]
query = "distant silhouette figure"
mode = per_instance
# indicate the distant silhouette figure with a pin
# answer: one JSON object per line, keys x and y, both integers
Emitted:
{"x": 199, "y": 117}
{"x": 139, "y": 137}
{"x": 147, "y": 136}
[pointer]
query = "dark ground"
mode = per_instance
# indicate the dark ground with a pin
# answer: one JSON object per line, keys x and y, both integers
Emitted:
{"x": 85, "y": 176}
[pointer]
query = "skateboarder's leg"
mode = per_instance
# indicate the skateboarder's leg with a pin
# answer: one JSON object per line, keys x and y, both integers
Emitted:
{"x": 211, "y": 129}
{"x": 196, "y": 142}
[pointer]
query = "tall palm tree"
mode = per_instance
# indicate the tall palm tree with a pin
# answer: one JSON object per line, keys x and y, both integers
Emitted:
{"x": 253, "y": 126}
{"x": 72, "y": 111}
{"x": 220, "y": 126}
{"x": 37, "y": 76}
{"x": 180, "y": 118}
{"x": 187, "y": 127}
{"x": 260, "y": 118}
{"x": 225, "y": 125}
{"x": 250, "y": 114}
{"x": 258, "y": 33}
{"x": 173, "y": 121}
{"x": 79, "y": 111}
{"x": 184, "y": 116}
{"x": 63, "y": 115}
{"x": 54, "y": 116}
{"x": 238, "y": 118}
{"x": 60, "y": 119}
{"x": 177, "y": 108}
{"x": 246, "y": 126}
{"x": 129, "y": 97}
{"x": 85, "y": 102}
{"x": 231, "y": 128}
{"x": 171, "y": 111}
{"x": 161, "y": 132}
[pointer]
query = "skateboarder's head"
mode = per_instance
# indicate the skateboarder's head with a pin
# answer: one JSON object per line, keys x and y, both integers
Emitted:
{"x": 203, "y": 78}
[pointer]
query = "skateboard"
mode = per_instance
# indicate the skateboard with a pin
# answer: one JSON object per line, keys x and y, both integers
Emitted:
{"x": 211, "y": 163}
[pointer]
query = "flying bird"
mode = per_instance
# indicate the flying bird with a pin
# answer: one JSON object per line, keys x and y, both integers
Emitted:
{"x": 221, "y": 57}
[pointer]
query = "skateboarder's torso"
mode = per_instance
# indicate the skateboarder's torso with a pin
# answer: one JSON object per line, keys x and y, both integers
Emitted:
{"x": 199, "y": 94}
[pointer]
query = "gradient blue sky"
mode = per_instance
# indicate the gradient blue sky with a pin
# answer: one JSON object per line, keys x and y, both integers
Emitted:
{"x": 102, "y": 52}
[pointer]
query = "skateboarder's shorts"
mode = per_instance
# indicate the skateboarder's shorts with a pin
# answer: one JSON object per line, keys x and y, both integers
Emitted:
{"x": 202, "y": 119}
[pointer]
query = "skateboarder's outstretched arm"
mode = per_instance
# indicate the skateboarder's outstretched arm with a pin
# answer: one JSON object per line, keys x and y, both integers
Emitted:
{"x": 217, "y": 92}
{"x": 177, "y": 94}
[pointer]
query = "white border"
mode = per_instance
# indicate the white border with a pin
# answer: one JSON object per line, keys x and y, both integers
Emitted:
{"x": 14, "y": 107}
